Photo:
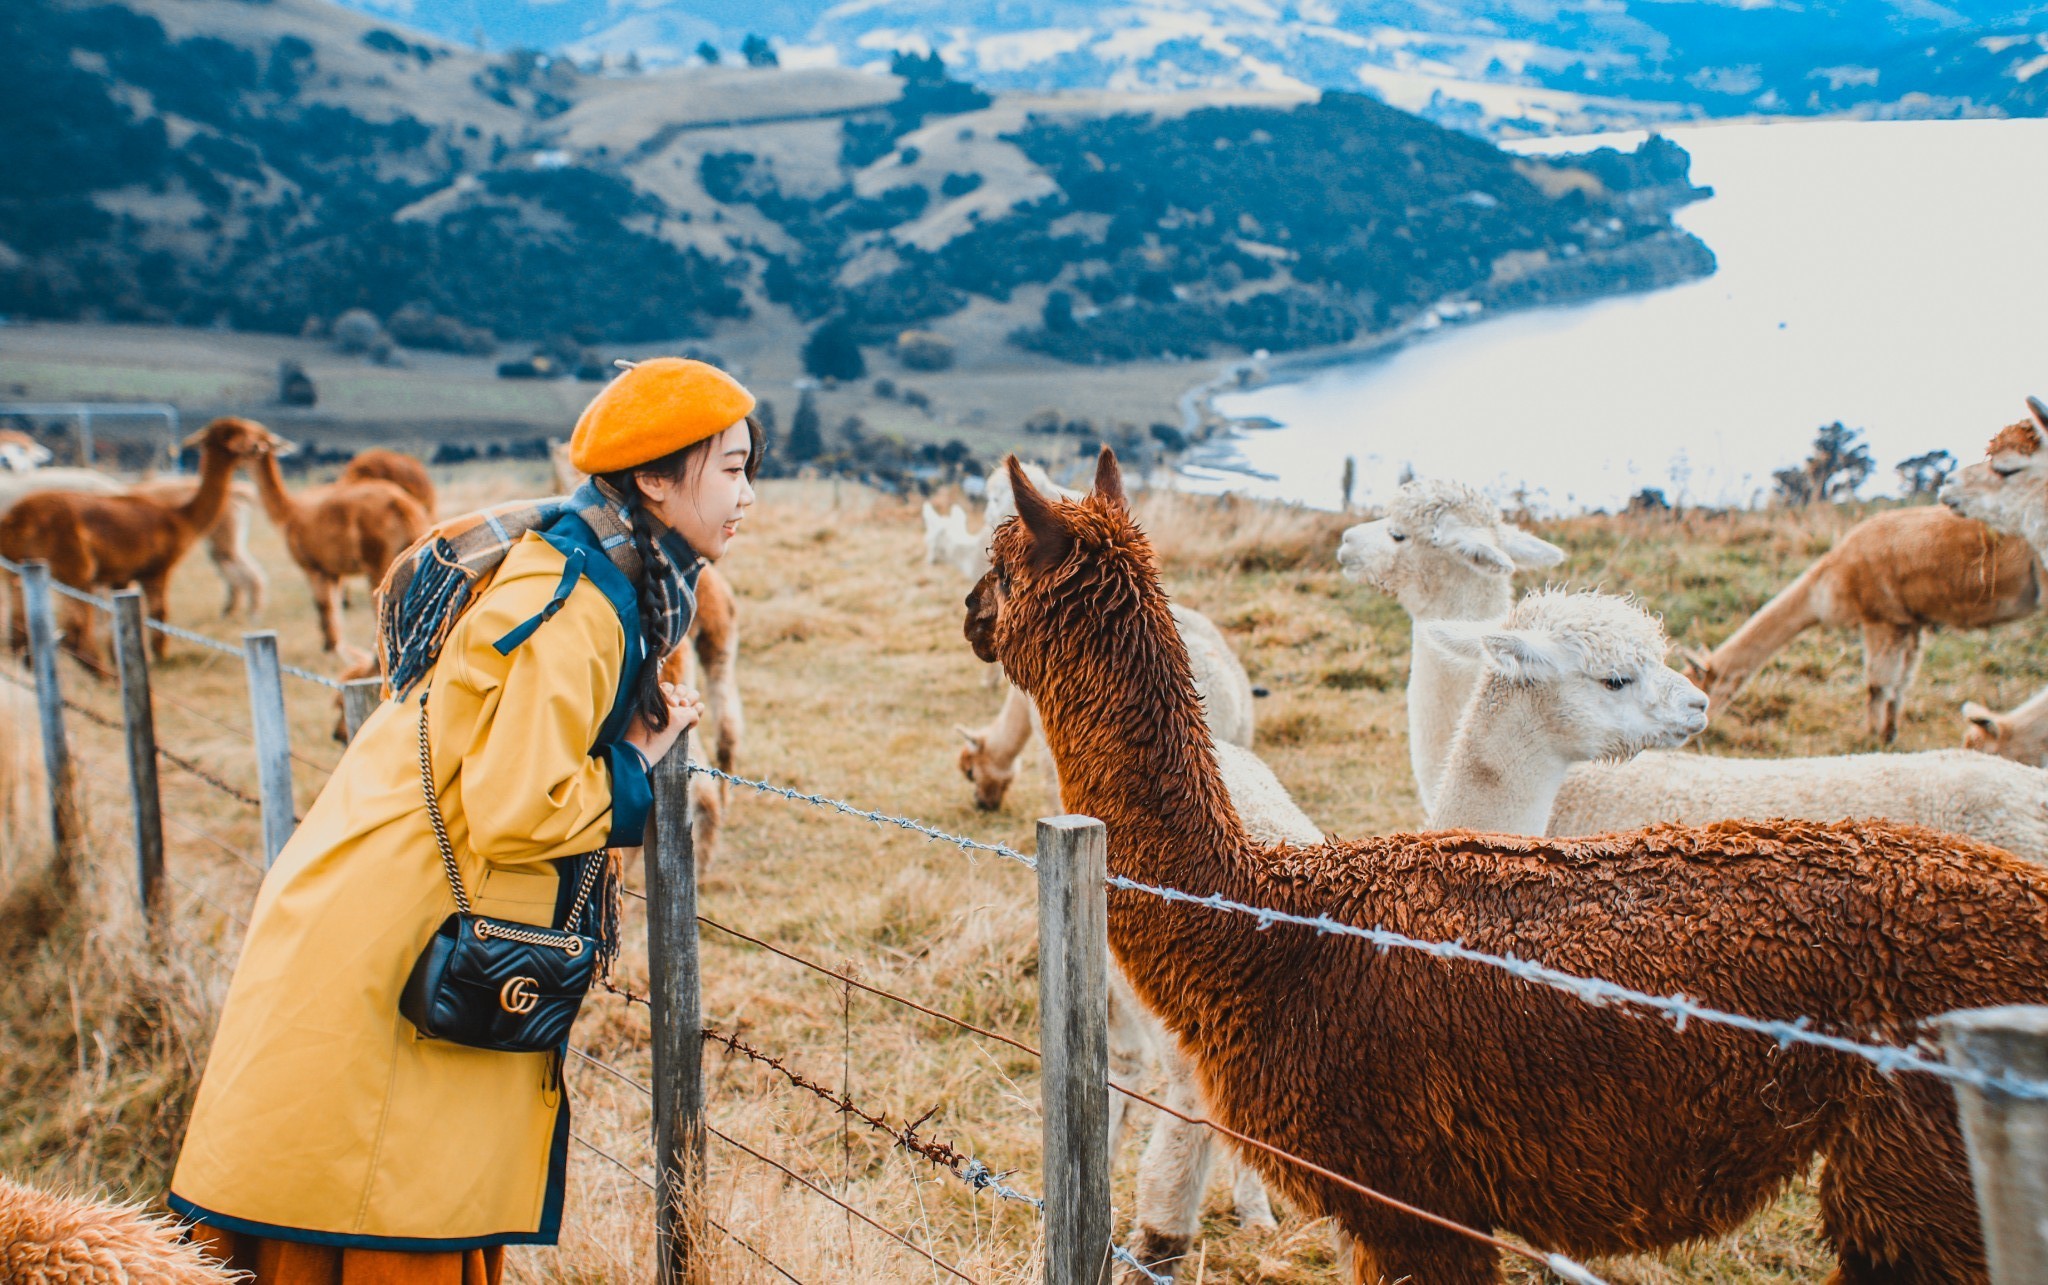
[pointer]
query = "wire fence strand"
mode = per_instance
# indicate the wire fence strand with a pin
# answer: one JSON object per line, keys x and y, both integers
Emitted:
{"x": 878, "y": 818}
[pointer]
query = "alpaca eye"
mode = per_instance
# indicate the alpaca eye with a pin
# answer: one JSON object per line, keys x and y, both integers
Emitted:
{"x": 1616, "y": 684}
{"x": 2006, "y": 472}
{"x": 1396, "y": 536}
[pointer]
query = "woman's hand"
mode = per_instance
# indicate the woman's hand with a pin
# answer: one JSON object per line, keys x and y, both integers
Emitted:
{"x": 684, "y": 709}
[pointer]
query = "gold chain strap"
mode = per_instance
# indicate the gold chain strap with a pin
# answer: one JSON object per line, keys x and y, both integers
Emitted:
{"x": 569, "y": 942}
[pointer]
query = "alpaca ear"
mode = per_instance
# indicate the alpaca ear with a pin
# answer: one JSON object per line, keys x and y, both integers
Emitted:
{"x": 956, "y": 517}
{"x": 1981, "y": 717}
{"x": 1109, "y": 480}
{"x": 973, "y": 741}
{"x": 1461, "y": 639}
{"x": 2039, "y": 409}
{"x": 1475, "y": 547}
{"x": 932, "y": 521}
{"x": 1050, "y": 538}
{"x": 1523, "y": 656}
{"x": 1526, "y": 551}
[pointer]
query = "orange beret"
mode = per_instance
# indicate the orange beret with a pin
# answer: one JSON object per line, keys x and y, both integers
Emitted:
{"x": 661, "y": 405}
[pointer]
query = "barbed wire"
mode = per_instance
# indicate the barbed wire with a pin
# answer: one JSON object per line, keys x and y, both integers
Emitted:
{"x": 1598, "y": 992}
{"x": 879, "y": 818}
{"x": 240, "y": 922}
{"x": 207, "y": 836}
{"x": 168, "y": 629}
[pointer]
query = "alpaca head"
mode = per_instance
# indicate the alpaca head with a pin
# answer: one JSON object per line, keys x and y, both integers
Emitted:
{"x": 1443, "y": 550}
{"x": 991, "y": 774}
{"x": 2008, "y": 489}
{"x": 20, "y": 453}
{"x": 947, "y": 540}
{"x": 2014, "y": 736}
{"x": 1596, "y": 664}
{"x": 238, "y": 439}
{"x": 1061, "y": 573}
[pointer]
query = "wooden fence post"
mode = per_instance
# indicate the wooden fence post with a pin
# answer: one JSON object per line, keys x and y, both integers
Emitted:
{"x": 131, "y": 650}
{"x": 359, "y": 699}
{"x": 273, "y": 740}
{"x": 677, "y": 1021}
{"x": 1073, "y": 1002}
{"x": 40, "y": 609}
{"x": 2007, "y": 1135}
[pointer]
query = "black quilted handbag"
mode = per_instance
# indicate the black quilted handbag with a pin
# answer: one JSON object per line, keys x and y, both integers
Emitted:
{"x": 496, "y": 983}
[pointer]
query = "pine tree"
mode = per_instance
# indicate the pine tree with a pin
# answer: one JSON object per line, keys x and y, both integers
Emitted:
{"x": 832, "y": 352}
{"x": 806, "y": 442}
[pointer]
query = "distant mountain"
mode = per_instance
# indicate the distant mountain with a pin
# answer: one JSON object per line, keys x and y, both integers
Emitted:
{"x": 1487, "y": 65}
{"x": 272, "y": 166}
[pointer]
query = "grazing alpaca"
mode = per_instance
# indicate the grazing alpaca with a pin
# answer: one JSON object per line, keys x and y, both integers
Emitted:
{"x": 1568, "y": 678}
{"x": 20, "y": 453}
{"x": 1891, "y": 575}
{"x": 111, "y": 541}
{"x": 989, "y": 759}
{"x": 227, "y": 541}
{"x": 947, "y": 540}
{"x": 1445, "y": 553}
{"x": 397, "y": 468}
{"x": 55, "y": 1240}
{"x": 1501, "y": 1104}
{"x": 2007, "y": 490}
{"x": 342, "y": 529}
{"x": 2021, "y": 735}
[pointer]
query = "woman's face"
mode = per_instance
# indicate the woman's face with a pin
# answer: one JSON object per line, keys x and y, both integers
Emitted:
{"x": 707, "y": 501}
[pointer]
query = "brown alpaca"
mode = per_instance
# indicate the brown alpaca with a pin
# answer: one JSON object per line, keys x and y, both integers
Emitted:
{"x": 1587, "y": 1131}
{"x": 227, "y": 540}
{"x": 1891, "y": 575}
{"x": 397, "y": 468}
{"x": 343, "y": 529}
{"x": 52, "y": 1240}
{"x": 112, "y": 541}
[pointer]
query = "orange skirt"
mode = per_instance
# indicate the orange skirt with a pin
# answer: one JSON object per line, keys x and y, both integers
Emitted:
{"x": 287, "y": 1262}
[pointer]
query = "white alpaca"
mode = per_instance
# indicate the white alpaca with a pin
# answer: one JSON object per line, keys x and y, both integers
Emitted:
{"x": 1527, "y": 766}
{"x": 1567, "y": 678}
{"x": 948, "y": 541}
{"x": 1445, "y": 553}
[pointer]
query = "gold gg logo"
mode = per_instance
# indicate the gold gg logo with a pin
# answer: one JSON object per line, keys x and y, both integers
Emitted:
{"x": 519, "y": 995}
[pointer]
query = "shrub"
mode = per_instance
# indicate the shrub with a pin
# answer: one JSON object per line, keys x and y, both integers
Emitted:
{"x": 832, "y": 352}
{"x": 924, "y": 350}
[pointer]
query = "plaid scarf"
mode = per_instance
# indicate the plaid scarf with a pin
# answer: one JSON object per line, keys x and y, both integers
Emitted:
{"x": 433, "y": 582}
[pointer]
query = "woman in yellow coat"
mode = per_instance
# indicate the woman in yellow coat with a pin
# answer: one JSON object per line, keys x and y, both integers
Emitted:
{"x": 332, "y": 1143}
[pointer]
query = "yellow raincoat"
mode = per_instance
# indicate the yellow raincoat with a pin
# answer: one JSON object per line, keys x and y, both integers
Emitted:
{"x": 324, "y": 1116}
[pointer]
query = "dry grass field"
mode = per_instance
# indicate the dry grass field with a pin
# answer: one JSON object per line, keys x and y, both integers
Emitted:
{"x": 854, "y": 674}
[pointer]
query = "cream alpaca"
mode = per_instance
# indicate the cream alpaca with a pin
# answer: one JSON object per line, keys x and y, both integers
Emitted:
{"x": 1569, "y": 677}
{"x": 1444, "y": 552}
{"x": 948, "y": 541}
{"x": 2021, "y": 736}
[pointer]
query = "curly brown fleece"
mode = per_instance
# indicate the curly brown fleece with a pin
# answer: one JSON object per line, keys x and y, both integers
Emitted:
{"x": 1503, "y": 1105}
{"x": 47, "y": 1239}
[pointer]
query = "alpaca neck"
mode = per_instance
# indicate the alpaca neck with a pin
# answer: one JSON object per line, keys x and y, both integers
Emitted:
{"x": 1011, "y": 732}
{"x": 216, "y": 476}
{"x": 278, "y": 503}
{"x": 1132, "y": 750}
{"x": 1504, "y": 771}
{"x": 1440, "y": 686}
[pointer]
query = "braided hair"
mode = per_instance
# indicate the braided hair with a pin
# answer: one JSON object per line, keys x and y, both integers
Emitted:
{"x": 682, "y": 466}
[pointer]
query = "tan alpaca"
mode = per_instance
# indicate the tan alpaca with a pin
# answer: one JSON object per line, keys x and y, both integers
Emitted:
{"x": 2021, "y": 736}
{"x": 714, "y": 647}
{"x": 112, "y": 541}
{"x": 1444, "y": 552}
{"x": 1891, "y": 575}
{"x": 335, "y": 531}
{"x": 47, "y": 1239}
